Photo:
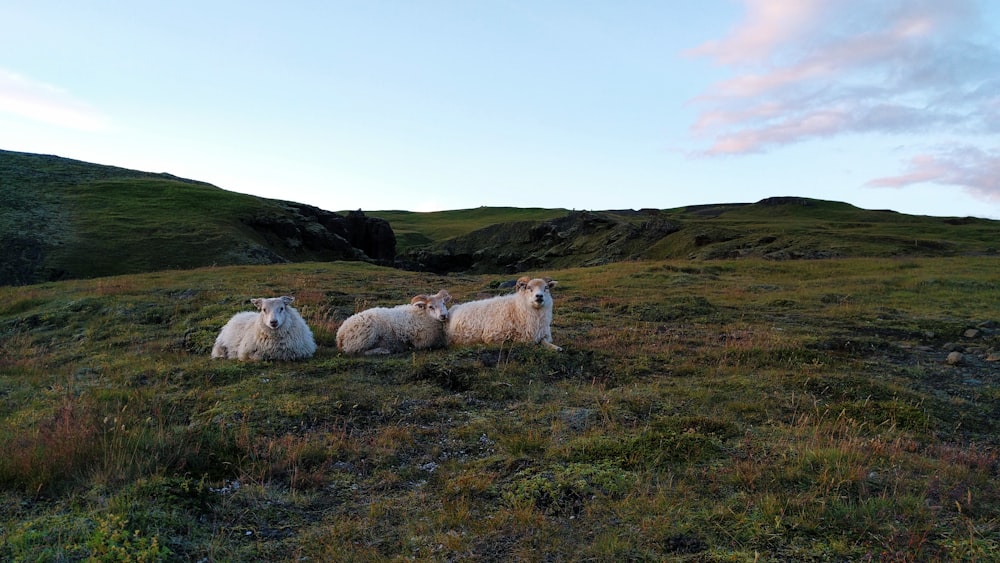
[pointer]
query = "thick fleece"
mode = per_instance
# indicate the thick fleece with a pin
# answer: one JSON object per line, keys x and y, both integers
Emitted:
{"x": 275, "y": 331}
{"x": 523, "y": 316}
{"x": 386, "y": 330}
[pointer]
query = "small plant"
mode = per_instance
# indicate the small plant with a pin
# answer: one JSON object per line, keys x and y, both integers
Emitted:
{"x": 566, "y": 490}
{"x": 113, "y": 541}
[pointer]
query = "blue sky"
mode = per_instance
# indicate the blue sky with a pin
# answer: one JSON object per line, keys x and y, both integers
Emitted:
{"x": 431, "y": 105}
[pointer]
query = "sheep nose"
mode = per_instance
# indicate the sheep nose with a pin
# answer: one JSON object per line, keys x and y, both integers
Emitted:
{"x": 274, "y": 324}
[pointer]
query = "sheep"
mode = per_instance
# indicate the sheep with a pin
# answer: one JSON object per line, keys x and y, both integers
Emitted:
{"x": 525, "y": 316}
{"x": 385, "y": 330}
{"x": 275, "y": 331}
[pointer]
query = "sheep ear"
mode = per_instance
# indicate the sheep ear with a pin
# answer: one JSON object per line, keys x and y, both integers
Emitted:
{"x": 550, "y": 282}
{"x": 256, "y": 302}
{"x": 287, "y": 300}
{"x": 444, "y": 296}
{"x": 522, "y": 282}
{"x": 419, "y": 301}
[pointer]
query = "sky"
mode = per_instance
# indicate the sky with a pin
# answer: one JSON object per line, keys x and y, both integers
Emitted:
{"x": 426, "y": 105}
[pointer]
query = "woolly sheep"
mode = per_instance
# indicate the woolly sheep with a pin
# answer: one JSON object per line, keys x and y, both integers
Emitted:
{"x": 275, "y": 331}
{"x": 384, "y": 330}
{"x": 525, "y": 316}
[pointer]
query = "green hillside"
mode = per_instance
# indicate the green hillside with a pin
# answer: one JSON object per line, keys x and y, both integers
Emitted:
{"x": 63, "y": 218}
{"x": 700, "y": 411}
{"x": 779, "y": 228}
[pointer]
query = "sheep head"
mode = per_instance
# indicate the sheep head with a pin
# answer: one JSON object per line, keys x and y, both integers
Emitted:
{"x": 433, "y": 305}
{"x": 274, "y": 311}
{"x": 537, "y": 291}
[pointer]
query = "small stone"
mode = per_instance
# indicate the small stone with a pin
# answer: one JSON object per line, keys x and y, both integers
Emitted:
{"x": 993, "y": 357}
{"x": 971, "y": 333}
{"x": 954, "y": 358}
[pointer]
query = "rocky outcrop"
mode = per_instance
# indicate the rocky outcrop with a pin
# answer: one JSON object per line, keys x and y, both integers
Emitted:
{"x": 373, "y": 236}
{"x": 309, "y": 232}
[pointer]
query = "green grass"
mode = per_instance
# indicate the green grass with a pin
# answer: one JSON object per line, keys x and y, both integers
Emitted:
{"x": 717, "y": 411}
{"x": 178, "y": 223}
{"x": 414, "y": 229}
{"x": 66, "y": 219}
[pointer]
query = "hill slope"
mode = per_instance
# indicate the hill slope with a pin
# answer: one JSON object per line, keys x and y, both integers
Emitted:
{"x": 777, "y": 228}
{"x": 68, "y": 219}
{"x": 64, "y": 218}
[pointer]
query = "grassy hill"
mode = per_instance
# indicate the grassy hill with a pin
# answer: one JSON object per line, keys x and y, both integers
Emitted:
{"x": 779, "y": 228}
{"x": 709, "y": 411}
{"x": 63, "y": 218}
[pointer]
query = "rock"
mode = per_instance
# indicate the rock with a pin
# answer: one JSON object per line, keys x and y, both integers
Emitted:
{"x": 971, "y": 333}
{"x": 954, "y": 358}
{"x": 993, "y": 357}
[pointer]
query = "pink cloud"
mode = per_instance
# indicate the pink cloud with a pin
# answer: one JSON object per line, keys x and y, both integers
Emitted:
{"x": 972, "y": 168}
{"x": 767, "y": 25}
{"x": 810, "y": 68}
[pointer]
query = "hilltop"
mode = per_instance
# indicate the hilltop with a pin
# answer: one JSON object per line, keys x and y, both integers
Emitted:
{"x": 66, "y": 219}
{"x": 777, "y": 228}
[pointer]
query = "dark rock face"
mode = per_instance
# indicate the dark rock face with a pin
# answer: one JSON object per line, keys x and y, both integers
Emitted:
{"x": 312, "y": 233}
{"x": 373, "y": 236}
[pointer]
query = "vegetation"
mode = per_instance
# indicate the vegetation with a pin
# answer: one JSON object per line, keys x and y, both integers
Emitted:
{"x": 65, "y": 219}
{"x": 417, "y": 230}
{"x": 779, "y": 228}
{"x": 727, "y": 410}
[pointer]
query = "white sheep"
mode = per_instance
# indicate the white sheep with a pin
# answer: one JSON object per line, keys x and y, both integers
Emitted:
{"x": 275, "y": 331}
{"x": 522, "y": 316}
{"x": 385, "y": 330}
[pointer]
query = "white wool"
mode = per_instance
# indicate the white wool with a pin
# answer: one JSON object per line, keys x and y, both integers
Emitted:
{"x": 385, "y": 330}
{"x": 275, "y": 331}
{"x": 523, "y": 316}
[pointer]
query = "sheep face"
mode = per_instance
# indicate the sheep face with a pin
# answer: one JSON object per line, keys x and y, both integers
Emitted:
{"x": 435, "y": 306}
{"x": 273, "y": 312}
{"x": 536, "y": 291}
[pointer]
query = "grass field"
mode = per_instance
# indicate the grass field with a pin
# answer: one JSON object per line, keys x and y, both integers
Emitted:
{"x": 731, "y": 410}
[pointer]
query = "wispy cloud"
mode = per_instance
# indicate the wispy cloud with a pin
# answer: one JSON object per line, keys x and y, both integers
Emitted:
{"x": 976, "y": 170}
{"x": 43, "y": 102}
{"x": 813, "y": 69}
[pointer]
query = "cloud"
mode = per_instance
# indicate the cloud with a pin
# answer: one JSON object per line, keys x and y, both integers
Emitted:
{"x": 43, "y": 102}
{"x": 768, "y": 24}
{"x": 808, "y": 69}
{"x": 976, "y": 170}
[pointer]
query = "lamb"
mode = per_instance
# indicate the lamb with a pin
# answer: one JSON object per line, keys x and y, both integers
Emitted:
{"x": 385, "y": 330}
{"x": 525, "y": 316}
{"x": 275, "y": 331}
